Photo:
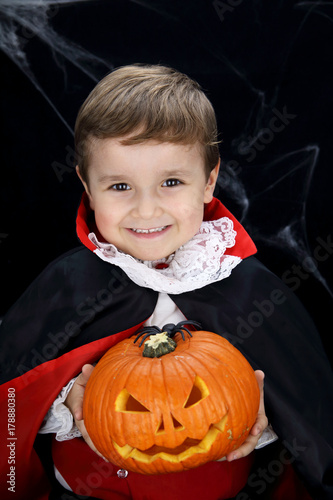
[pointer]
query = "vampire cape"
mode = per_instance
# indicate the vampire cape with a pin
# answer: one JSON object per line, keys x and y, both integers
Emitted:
{"x": 80, "y": 306}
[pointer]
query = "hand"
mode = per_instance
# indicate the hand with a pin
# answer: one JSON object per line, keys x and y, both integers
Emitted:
{"x": 74, "y": 403}
{"x": 259, "y": 426}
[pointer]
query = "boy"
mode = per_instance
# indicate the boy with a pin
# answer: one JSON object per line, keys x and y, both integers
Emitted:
{"x": 159, "y": 248}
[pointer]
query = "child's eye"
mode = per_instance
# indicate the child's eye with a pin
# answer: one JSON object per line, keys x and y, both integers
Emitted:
{"x": 171, "y": 183}
{"x": 120, "y": 187}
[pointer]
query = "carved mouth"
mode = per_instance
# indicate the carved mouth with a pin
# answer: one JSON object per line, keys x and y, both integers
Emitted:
{"x": 188, "y": 448}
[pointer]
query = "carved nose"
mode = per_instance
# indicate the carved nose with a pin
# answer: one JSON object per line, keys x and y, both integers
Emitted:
{"x": 176, "y": 425}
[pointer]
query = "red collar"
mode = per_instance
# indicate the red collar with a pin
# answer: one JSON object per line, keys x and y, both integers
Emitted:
{"x": 244, "y": 246}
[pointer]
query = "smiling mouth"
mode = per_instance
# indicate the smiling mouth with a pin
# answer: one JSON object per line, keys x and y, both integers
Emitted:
{"x": 188, "y": 448}
{"x": 149, "y": 231}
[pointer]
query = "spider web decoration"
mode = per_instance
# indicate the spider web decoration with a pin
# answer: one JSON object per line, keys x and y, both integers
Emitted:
{"x": 272, "y": 100}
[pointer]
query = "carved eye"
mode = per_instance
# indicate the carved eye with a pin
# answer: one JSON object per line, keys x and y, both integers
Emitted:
{"x": 198, "y": 392}
{"x": 127, "y": 403}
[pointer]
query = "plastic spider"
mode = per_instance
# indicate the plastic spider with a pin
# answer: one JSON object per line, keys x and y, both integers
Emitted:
{"x": 170, "y": 328}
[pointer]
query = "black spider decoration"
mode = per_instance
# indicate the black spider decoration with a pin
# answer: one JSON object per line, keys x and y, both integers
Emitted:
{"x": 170, "y": 329}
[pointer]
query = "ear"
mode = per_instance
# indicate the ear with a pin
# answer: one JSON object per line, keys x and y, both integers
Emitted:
{"x": 211, "y": 183}
{"x": 86, "y": 187}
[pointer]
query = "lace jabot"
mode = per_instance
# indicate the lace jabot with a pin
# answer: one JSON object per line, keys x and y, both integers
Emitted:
{"x": 195, "y": 264}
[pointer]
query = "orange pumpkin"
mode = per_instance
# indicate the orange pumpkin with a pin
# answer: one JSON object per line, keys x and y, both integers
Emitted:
{"x": 173, "y": 412}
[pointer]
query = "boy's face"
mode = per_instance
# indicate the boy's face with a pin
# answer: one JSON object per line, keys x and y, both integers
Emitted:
{"x": 148, "y": 198}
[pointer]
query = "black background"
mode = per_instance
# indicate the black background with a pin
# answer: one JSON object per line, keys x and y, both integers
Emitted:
{"x": 256, "y": 60}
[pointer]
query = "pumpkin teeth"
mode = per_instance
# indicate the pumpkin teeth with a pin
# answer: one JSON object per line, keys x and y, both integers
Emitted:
{"x": 221, "y": 424}
{"x": 202, "y": 446}
{"x": 126, "y": 450}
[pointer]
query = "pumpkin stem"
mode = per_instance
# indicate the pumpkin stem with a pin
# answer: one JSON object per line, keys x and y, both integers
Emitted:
{"x": 170, "y": 329}
{"x": 158, "y": 345}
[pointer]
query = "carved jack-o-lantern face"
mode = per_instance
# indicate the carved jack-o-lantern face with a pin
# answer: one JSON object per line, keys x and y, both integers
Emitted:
{"x": 175, "y": 412}
{"x": 175, "y": 437}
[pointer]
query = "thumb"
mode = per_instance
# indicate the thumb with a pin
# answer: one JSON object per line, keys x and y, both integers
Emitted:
{"x": 75, "y": 398}
{"x": 83, "y": 378}
{"x": 260, "y": 376}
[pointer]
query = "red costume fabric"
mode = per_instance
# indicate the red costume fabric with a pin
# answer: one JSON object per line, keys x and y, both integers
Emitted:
{"x": 80, "y": 306}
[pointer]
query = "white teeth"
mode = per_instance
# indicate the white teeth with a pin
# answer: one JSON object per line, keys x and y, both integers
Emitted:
{"x": 148, "y": 231}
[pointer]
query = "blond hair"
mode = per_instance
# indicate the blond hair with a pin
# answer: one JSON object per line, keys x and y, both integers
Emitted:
{"x": 147, "y": 102}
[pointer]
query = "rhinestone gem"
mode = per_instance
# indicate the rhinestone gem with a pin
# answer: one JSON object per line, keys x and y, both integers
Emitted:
{"x": 122, "y": 473}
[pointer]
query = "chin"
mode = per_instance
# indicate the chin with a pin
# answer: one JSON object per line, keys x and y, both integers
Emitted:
{"x": 151, "y": 256}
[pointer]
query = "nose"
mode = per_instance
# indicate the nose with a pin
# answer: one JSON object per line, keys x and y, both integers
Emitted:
{"x": 174, "y": 425}
{"x": 171, "y": 423}
{"x": 147, "y": 206}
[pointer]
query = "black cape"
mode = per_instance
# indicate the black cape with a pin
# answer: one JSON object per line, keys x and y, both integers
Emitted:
{"x": 84, "y": 305}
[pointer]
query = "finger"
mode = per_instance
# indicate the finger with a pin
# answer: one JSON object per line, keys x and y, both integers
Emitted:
{"x": 257, "y": 429}
{"x": 83, "y": 378}
{"x": 77, "y": 409}
{"x": 75, "y": 402}
{"x": 261, "y": 421}
{"x": 260, "y": 425}
{"x": 245, "y": 449}
{"x": 260, "y": 376}
{"x": 86, "y": 437}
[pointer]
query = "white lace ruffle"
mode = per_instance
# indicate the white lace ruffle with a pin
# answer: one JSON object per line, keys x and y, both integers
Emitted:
{"x": 59, "y": 419}
{"x": 197, "y": 263}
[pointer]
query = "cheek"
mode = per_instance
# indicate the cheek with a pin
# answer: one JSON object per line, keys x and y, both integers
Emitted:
{"x": 107, "y": 219}
{"x": 189, "y": 201}
{"x": 190, "y": 215}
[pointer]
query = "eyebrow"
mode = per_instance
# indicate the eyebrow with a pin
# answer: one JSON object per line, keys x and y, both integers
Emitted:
{"x": 107, "y": 178}
{"x": 177, "y": 173}
{"x": 104, "y": 179}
